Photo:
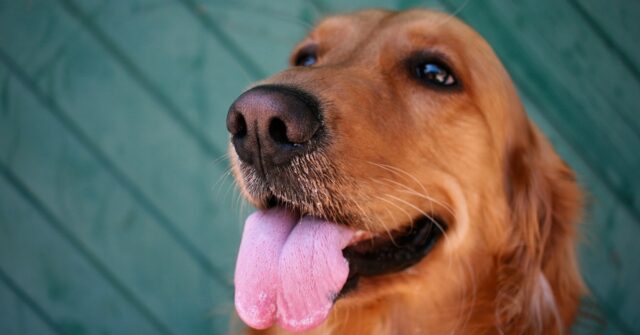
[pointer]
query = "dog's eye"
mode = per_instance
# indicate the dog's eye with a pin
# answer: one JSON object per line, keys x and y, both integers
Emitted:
{"x": 306, "y": 56}
{"x": 306, "y": 59}
{"x": 436, "y": 74}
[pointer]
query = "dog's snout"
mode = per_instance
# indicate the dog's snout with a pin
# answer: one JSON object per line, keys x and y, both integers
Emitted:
{"x": 271, "y": 124}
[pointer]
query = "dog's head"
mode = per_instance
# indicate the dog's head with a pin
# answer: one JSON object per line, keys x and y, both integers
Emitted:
{"x": 406, "y": 129}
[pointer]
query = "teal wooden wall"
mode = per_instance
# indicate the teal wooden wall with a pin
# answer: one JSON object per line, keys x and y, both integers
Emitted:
{"x": 117, "y": 213}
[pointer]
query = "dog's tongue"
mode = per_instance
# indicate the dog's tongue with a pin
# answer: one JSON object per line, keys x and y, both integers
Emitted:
{"x": 289, "y": 271}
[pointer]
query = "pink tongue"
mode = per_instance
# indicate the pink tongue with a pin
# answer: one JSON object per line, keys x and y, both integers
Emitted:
{"x": 289, "y": 273}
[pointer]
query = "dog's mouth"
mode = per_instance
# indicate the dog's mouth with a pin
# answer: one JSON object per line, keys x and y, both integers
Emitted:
{"x": 387, "y": 253}
{"x": 374, "y": 254}
{"x": 293, "y": 267}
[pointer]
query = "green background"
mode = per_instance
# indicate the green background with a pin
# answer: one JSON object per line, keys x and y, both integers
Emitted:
{"x": 117, "y": 212}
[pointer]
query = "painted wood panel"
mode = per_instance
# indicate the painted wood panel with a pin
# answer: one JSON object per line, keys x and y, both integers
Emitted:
{"x": 616, "y": 23}
{"x": 65, "y": 291}
{"x": 118, "y": 214}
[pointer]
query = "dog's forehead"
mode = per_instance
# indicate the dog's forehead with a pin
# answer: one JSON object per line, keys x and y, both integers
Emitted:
{"x": 359, "y": 19}
{"x": 417, "y": 22}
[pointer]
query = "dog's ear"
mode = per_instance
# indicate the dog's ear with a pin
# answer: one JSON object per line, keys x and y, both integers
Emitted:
{"x": 537, "y": 269}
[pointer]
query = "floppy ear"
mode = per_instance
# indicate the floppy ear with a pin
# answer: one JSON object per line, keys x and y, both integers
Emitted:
{"x": 539, "y": 284}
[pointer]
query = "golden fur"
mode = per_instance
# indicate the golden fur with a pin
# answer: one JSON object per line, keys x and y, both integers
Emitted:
{"x": 506, "y": 264}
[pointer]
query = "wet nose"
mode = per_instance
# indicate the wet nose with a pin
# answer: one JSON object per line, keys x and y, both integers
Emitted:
{"x": 272, "y": 124}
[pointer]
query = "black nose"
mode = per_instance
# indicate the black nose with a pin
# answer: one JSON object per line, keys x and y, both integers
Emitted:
{"x": 271, "y": 124}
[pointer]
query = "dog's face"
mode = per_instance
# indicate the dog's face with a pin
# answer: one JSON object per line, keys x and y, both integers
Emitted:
{"x": 384, "y": 122}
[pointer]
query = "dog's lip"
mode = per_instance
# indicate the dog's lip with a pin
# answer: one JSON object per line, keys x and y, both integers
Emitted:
{"x": 375, "y": 254}
{"x": 383, "y": 254}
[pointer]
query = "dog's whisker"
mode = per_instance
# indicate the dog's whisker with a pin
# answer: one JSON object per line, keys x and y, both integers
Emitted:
{"x": 364, "y": 214}
{"x": 389, "y": 214}
{"x": 368, "y": 219}
{"x": 221, "y": 179}
{"x": 229, "y": 188}
{"x": 409, "y": 217}
{"x": 240, "y": 211}
{"x": 394, "y": 217}
{"x": 453, "y": 14}
{"x": 413, "y": 206}
{"x": 237, "y": 201}
{"x": 400, "y": 172}
{"x": 435, "y": 222}
{"x": 424, "y": 196}
{"x": 220, "y": 158}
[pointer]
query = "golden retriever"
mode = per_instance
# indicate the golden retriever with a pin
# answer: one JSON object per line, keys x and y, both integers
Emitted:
{"x": 401, "y": 189}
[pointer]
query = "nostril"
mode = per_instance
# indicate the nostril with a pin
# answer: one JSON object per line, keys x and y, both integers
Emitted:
{"x": 240, "y": 126}
{"x": 236, "y": 124}
{"x": 278, "y": 131}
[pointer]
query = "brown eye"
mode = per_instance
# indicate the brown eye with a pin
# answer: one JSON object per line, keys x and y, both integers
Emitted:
{"x": 307, "y": 56}
{"x": 435, "y": 74}
{"x": 432, "y": 69}
{"x": 306, "y": 59}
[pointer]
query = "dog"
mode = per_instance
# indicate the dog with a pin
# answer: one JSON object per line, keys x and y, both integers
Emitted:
{"x": 400, "y": 188}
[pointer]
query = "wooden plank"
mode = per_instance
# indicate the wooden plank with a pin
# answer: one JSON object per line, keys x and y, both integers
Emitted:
{"x": 108, "y": 221}
{"x": 155, "y": 158}
{"x": 580, "y": 87}
{"x": 166, "y": 37}
{"x": 153, "y": 72}
{"x": 335, "y": 6}
{"x": 58, "y": 280}
{"x": 18, "y": 316}
{"x": 616, "y": 21}
{"x": 262, "y": 45}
